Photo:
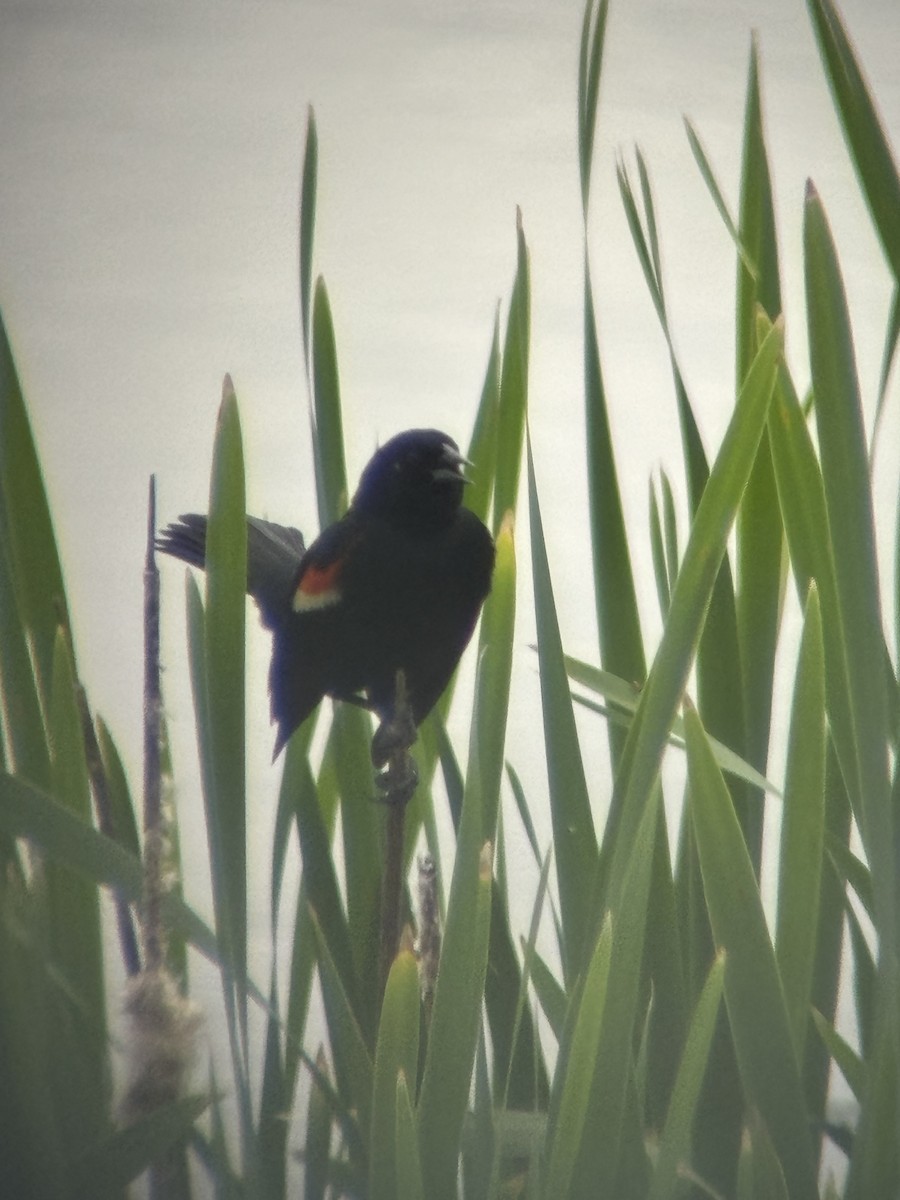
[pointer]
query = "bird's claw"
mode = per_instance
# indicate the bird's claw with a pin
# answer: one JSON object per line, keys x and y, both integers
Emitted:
{"x": 393, "y": 738}
{"x": 398, "y": 781}
{"x": 391, "y": 744}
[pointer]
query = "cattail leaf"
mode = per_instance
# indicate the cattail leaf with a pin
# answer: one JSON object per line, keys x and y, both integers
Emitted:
{"x": 753, "y": 994}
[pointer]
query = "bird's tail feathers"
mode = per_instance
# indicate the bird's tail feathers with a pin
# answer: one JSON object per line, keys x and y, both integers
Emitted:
{"x": 273, "y": 557}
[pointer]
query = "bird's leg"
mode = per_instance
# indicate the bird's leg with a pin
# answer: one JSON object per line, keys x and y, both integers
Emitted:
{"x": 394, "y": 738}
{"x": 391, "y": 745}
{"x": 390, "y": 750}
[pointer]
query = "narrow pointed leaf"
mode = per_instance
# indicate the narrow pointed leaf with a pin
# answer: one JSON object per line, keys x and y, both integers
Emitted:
{"x": 397, "y": 1051}
{"x": 753, "y": 994}
{"x": 23, "y": 722}
{"x": 709, "y": 178}
{"x": 25, "y": 523}
{"x": 702, "y": 558}
{"x": 488, "y": 735}
{"x": 801, "y": 496}
{"x": 612, "y": 1131}
{"x": 318, "y": 1137}
{"x": 456, "y": 1016}
{"x": 353, "y": 1063}
{"x": 659, "y": 555}
{"x": 328, "y": 434}
{"x": 513, "y": 386}
{"x": 307, "y": 226}
{"x": 360, "y": 819}
{"x": 590, "y": 60}
{"x": 482, "y": 449}
{"x": 862, "y": 127}
{"x": 848, "y": 499}
{"x": 618, "y": 623}
{"x": 675, "y": 1142}
{"x": 850, "y": 1064}
{"x": 759, "y": 528}
{"x": 226, "y": 577}
{"x": 320, "y": 882}
{"x": 624, "y": 696}
{"x": 409, "y": 1169}
{"x": 570, "y": 1111}
{"x": 573, "y": 828}
{"x": 803, "y": 828}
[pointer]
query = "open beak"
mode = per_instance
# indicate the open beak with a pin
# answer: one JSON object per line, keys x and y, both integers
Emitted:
{"x": 453, "y": 472}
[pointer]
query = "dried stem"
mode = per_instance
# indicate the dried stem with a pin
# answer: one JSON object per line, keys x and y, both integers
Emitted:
{"x": 154, "y": 834}
{"x": 163, "y": 1023}
{"x": 429, "y": 932}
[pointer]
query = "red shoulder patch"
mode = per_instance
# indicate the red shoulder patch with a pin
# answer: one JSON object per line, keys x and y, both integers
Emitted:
{"x": 318, "y": 587}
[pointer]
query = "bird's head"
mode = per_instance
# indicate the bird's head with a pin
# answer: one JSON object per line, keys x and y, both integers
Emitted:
{"x": 415, "y": 480}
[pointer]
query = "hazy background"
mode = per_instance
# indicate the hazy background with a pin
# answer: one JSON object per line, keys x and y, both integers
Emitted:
{"x": 148, "y": 211}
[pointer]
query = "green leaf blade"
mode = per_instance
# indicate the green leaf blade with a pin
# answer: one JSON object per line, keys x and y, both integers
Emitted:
{"x": 226, "y": 579}
{"x": 862, "y": 127}
{"x": 456, "y": 1016}
{"x": 803, "y": 828}
{"x": 573, "y": 828}
{"x": 397, "y": 1051}
{"x": 753, "y": 993}
{"x": 848, "y": 499}
{"x": 675, "y": 1142}
{"x": 568, "y": 1115}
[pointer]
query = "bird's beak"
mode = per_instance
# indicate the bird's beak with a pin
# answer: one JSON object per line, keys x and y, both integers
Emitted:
{"x": 453, "y": 472}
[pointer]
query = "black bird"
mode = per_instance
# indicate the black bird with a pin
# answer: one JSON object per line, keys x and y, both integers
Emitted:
{"x": 397, "y": 582}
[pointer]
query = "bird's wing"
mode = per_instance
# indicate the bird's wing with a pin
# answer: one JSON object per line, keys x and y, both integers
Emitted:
{"x": 274, "y": 553}
{"x": 318, "y": 582}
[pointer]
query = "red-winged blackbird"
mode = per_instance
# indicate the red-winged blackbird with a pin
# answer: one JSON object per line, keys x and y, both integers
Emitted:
{"x": 396, "y": 583}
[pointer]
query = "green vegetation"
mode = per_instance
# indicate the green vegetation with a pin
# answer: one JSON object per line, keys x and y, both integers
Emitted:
{"x": 685, "y": 1047}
